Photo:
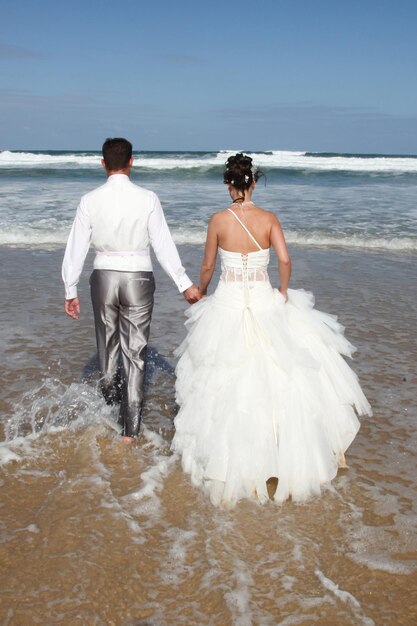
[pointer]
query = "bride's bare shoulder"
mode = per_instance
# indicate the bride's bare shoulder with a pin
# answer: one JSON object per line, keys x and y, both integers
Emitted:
{"x": 219, "y": 216}
{"x": 217, "y": 220}
{"x": 266, "y": 214}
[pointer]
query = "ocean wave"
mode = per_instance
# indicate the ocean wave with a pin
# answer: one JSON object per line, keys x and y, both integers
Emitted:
{"x": 47, "y": 238}
{"x": 380, "y": 164}
{"x": 358, "y": 241}
{"x": 273, "y": 160}
{"x": 30, "y": 237}
{"x": 10, "y": 159}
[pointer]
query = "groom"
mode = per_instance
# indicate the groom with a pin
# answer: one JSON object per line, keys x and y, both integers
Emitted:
{"x": 121, "y": 220}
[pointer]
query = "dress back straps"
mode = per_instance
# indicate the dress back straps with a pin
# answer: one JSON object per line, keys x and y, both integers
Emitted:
{"x": 243, "y": 226}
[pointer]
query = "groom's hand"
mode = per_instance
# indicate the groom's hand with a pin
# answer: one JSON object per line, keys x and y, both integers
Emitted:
{"x": 192, "y": 294}
{"x": 72, "y": 307}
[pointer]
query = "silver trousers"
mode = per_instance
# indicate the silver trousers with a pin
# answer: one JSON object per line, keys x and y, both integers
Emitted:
{"x": 122, "y": 305}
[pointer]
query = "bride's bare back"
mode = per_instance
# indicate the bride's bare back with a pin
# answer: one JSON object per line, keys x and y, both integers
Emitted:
{"x": 230, "y": 234}
{"x": 224, "y": 231}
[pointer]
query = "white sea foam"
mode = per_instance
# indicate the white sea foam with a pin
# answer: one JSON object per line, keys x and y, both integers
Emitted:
{"x": 32, "y": 528}
{"x": 296, "y": 620}
{"x": 26, "y": 236}
{"x": 345, "y": 596}
{"x": 52, "y": 238}
{"x": 339, "y": 240}
{"x": 52, "y": 407}
{"x": 285, "y": 160}
{"x": 7, "y": 455}
{"x": 239, "y": 599}
{"x": 379, "y": 164}
{"x": 275, "y": 159}
{"x": 175, "y": 568}
{"x": 29, "y": 160}
{"x": 369, "y": 543}
{"x": 152, "y": 478}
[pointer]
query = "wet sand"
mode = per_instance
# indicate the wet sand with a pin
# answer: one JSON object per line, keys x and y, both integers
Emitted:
{"x": 94, "y": 533}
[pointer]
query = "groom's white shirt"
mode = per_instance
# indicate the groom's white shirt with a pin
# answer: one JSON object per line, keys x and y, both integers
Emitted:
{"x": 121, "y": 220}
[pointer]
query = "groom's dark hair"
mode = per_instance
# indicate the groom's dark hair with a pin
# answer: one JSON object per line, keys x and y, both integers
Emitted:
{"x": 117, "y": 153}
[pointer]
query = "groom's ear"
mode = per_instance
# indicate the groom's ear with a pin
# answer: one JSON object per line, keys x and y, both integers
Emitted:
{"x": 103, "y": 162}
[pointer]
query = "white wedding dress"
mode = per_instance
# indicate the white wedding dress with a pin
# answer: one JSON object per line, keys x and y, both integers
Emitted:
{"x": 263, "y": 389}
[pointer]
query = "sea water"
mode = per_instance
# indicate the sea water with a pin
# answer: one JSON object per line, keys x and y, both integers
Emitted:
{"x": 351, "y": 201}
{"x": 93, "y": 533}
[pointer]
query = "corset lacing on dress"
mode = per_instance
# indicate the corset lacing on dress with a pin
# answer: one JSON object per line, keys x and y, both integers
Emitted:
{"x": 244, "y": 268}
{"x": 248, "y": 269}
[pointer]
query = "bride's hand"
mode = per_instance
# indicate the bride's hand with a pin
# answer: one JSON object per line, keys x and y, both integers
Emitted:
{"x": 192, "y": 294}
{"x": 284, "y": 293}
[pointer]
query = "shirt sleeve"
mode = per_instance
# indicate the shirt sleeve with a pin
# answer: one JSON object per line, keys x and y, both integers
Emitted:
{"x": 77, "y": 247}
{"x": 165, "y": 248}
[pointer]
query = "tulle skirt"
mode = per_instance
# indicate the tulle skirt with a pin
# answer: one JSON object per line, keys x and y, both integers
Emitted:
{"x": 264, "y": 393}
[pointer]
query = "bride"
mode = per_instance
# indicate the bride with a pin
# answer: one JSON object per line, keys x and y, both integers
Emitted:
{"x": 268, "y": 405}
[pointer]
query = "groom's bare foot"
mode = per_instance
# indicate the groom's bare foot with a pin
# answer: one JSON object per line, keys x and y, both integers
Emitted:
{"x": 128, "y": 440}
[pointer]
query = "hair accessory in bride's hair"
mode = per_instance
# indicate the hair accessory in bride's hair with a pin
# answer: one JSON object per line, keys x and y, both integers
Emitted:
{"x": 246, "y": 178}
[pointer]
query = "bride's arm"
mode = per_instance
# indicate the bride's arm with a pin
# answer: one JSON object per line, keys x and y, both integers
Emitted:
{"x": 284, "y": 260}
{"x": 210, "y": 254}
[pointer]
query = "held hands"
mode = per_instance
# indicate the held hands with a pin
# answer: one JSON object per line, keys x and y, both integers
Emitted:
{"x": 72, "y": 308}
{"x": 284, "y": 293}
{"x": 192, "y": 294}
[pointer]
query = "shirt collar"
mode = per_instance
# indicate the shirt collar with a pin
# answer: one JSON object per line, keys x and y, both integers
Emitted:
{"x": 115, "y": 177}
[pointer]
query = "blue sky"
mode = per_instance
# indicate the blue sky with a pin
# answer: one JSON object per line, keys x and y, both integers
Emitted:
{"x": 188, "y": 75}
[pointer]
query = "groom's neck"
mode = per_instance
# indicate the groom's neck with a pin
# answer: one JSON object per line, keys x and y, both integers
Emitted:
{"x": 125, "y": 171}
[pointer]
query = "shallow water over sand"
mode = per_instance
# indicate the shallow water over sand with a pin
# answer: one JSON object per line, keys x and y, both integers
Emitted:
{"x": 94, "y": 533}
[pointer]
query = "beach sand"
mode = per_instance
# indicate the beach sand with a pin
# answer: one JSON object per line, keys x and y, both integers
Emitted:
{"x": 94, "y": 533}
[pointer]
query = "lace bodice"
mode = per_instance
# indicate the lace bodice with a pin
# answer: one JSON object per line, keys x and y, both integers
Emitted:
{"x": 238, "y": 267}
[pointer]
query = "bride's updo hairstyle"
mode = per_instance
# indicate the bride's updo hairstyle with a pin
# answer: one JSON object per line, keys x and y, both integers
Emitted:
{"x": 240, "y": 172}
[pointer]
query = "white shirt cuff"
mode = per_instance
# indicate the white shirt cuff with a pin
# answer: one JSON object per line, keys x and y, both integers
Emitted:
{"x": 184, "y": 283}
{"x": 70, "y": 293}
